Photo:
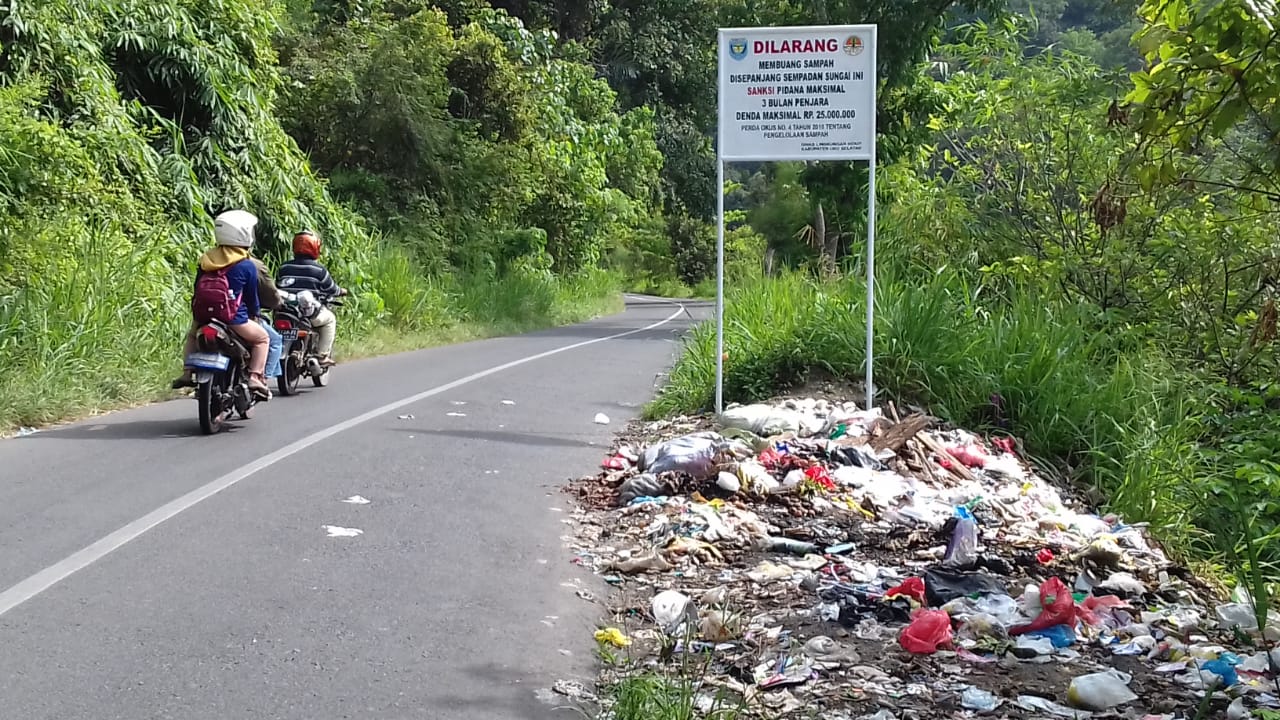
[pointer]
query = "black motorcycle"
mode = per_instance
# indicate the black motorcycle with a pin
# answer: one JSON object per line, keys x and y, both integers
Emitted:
{"x": 299, "y": 354}
{"x": 221, "y": 374}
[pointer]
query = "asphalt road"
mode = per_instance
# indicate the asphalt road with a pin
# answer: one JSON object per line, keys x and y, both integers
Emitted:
{"x": 150, "y": 572}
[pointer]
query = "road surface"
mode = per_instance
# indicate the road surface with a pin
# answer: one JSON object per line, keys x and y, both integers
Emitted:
{"x": 151, "y": 572}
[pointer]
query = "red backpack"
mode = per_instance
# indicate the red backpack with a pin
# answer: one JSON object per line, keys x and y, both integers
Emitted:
{"x": 212, "y": 299}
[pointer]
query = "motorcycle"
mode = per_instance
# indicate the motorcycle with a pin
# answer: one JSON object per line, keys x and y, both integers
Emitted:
{"x": 221, "y": 374}
{"x": 299, "y": 355}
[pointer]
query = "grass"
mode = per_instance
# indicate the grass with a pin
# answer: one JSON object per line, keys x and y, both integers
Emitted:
{"x": 93, "y": 341}
{"x": 1099, "y": 407}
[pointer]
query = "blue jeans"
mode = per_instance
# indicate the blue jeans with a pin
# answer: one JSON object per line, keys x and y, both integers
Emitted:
{"x": 275, "y": 346}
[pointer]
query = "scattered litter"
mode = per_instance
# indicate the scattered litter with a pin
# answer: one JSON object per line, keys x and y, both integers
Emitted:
{"x": 406, "y": 417}
{"x": 455, "y": 414}
{"x": 613, "y": 636}
{"x": 978, "y": 699}
{"x": 342, "y": 532}
{"x": 601, "y": 419}
{"x": 356, "y": 500}
{"x": 508, "y": 402}
{"x": 822, "y": 560}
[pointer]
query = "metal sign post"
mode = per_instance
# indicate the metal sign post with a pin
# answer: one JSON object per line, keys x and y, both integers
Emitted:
{"x": 796, "y": 93}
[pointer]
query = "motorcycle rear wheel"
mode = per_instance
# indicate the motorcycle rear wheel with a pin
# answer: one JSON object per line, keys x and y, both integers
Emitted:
{"x": 211, "y": 414}
{"x": 290, "y": 372}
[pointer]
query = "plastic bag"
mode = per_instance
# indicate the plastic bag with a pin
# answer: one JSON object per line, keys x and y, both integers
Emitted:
{"x": 911, "y": 587}
{"x": 1060, "y": 635}
{"x": 1057, "y": 607}
{"x": 943, "y": 586}
{"x": 1095, "y": 607}
{"x": 693, "y": 454}
{"x": 763, "y": 420}
{"x": 639, "y": 486}
{"x": 929, "y": 630}
{"x": 1100, "y": 691}
{"x": 962, "y": 551}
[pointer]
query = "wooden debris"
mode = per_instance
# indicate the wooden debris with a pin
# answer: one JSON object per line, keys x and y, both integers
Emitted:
{"x": 898, "y": 435}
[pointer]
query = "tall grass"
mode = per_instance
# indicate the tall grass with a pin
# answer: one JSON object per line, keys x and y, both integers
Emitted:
{"x": 1102, "y": 408}
{"x": 93, "y": 336}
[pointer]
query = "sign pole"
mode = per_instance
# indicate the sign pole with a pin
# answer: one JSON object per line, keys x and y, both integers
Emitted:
{"x": 871, "y": 241}
{"x": 719, "y": 284}
{"x": 796, "y": 94}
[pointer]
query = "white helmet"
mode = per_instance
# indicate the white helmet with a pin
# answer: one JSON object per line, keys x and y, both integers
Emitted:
{"x": 234, "y": 228}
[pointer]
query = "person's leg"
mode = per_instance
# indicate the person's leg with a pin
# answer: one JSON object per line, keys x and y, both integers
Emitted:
{"x": 188, "y": 347}
{"x": 275, "y": 346}
{"x": 256, "y": 338}
{"x": 326, "y": 324}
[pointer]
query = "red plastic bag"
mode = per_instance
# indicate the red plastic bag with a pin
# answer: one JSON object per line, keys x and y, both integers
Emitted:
{"x": 1006, "y": 444}
{"x": 970, "y": 456}
{"x": 820, "y": 476}
{"x": 1088, "y": 610}
{"x": 929, "y": 630}
{"x": 1057, "y": 607}
{"x": 911, "y": 587}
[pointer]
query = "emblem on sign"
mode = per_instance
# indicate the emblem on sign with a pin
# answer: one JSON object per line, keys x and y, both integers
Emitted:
{"x": 737, "y": 49}
{"x": 853, "y": 45}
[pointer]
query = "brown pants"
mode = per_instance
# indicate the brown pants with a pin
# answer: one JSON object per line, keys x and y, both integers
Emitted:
{"x": 251, "y": 333}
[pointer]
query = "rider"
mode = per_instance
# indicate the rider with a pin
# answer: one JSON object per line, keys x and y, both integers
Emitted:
{"x": 304, "y": 273}
{"x": 269, "y": 298}
{"x": 233, "y": 231}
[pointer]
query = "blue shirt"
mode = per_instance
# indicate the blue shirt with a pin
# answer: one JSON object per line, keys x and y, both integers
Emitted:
{"x": 242, "y": 278}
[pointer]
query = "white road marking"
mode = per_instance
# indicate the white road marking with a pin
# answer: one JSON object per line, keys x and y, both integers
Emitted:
{"x": 79, "y": 560}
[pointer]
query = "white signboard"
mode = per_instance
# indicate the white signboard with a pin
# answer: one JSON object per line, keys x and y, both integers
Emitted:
{"x": 804, "y": 93}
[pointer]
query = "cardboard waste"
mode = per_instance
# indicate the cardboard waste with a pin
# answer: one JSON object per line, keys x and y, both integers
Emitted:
{"x": 822, "y": 560}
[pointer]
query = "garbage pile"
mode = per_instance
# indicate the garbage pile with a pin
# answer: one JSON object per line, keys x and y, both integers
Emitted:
{"x": 807, "y": 558}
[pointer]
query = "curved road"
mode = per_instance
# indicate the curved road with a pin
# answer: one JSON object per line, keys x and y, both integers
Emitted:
{"x": 150, "y": 572}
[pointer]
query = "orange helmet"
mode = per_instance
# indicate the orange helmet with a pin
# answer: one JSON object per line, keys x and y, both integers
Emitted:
{"x": 307, "y": 243}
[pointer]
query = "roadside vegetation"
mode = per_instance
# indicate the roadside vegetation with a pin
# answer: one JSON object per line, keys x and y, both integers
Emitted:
{"x": 1078, "y": 204}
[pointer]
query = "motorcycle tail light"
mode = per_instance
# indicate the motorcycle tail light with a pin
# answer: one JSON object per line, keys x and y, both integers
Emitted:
{"x": 283, "y": 324}
{"x": 209, "y": 332}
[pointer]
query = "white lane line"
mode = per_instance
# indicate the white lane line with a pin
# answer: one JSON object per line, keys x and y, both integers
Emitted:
{"x": 79, "y": 560}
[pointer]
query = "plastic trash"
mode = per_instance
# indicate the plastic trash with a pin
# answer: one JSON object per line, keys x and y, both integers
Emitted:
{"x": 942, "y": 586}
{"x": 1027, "y": 647}
{"x": 1002, "y": 607}
{"x": 1060, "y": 635}
{"x": 601, "y": 419}
{"x": 929, "y": 630}
{"x": 1237, "y": 711}
{"x": 911, "y": 587}
{"x": 763, "y": 420}
{"x": 613, "y": 636}
{"x": 671, "y": 608}
{"x": 1057, "y": 607}
{"x": 819, "y": 476}
{"x": 974, "y": 698}
{"x": 1100, "y": 691}
{"x": 982, "y": 626}
{"x": 1031, "y": 702}
{"x": 787, "y": 545}
{"x": 692, "y": 454}
{"x": 1224, "y": 670}
{"x": 729, "y": 483}
{"x": 756, "y": 477}
{"x": 718, "y": 626}
{"x": 1044, "y": 556}
{"x": 638, "y": 486}
{"x": 1123, "y": 584}
{"x": 962, "y": 551}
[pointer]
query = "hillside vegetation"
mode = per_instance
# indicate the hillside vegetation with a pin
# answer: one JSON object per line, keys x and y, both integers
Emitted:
{"x": 1077, "y": 208}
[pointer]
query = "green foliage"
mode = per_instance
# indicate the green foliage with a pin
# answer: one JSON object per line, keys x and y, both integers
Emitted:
{"x": 1028, "y": 182}
{"x": 485, "y": 153}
